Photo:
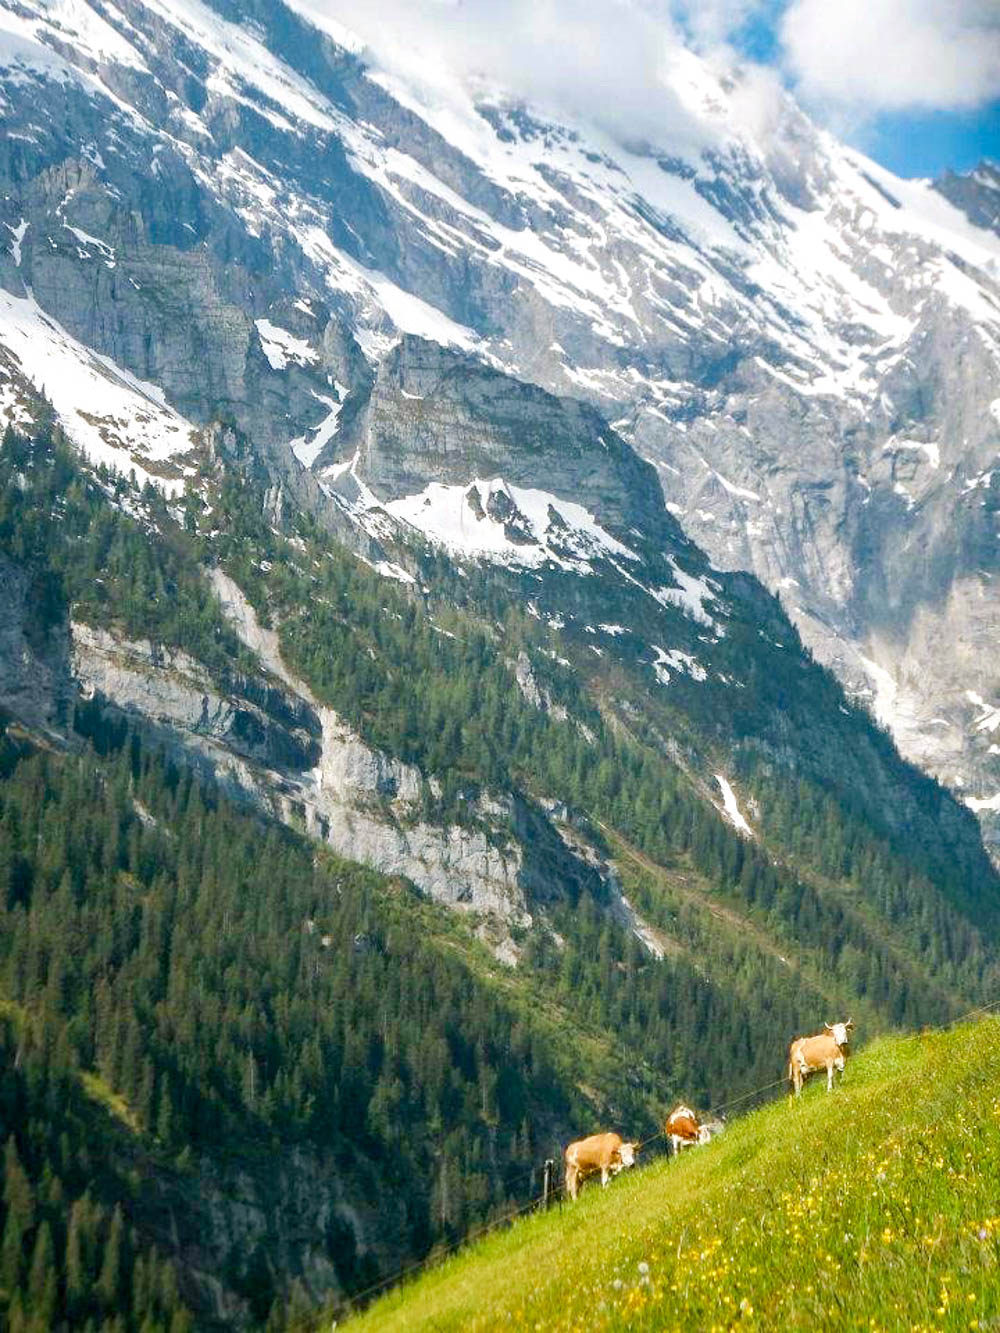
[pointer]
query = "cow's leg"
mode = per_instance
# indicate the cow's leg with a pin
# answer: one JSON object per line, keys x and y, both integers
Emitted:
{"x": 829, "y": 1076}
{"x": 572, "y": 1182}
{"x": 605, "y": 1177}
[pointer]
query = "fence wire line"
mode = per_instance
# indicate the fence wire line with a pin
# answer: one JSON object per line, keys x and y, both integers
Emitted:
{"x": 437, "y": 1257}
{"x": 433, "y": 1260}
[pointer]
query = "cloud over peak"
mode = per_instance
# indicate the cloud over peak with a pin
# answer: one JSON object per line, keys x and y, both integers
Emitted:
{"x": 890, "y": 55}
{"x": 627, "y": 65}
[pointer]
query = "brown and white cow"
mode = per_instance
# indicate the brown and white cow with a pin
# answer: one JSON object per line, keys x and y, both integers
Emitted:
{"x": 683, "y": 1129}
{"x": 607, "y": 1153}
{"x": 827, "y": 1050}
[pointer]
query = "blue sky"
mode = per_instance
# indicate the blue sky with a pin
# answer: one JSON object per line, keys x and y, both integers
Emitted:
{"x": 915, "y": 84}
{"x": 915, "y": 144}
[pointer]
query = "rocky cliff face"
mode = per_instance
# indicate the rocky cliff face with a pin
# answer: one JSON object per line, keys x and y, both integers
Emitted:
{"x": 291, "y": 1220}
{"x": 207, "y": 217}
{"x": 269, "y": 741}
{"x": 976, "y": 193}
{"x": 437, "y": 416}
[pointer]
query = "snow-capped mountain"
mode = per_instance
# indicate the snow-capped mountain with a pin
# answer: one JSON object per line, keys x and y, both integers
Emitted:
{"x": 459, "y": 431}
{"x": 225, "y": 212}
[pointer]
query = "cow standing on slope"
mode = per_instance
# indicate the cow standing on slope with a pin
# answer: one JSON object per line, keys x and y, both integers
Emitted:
{"x": 607, "y": 1153}
{"x": 684, "y": 1129}
{"x": 827, "y": 1050}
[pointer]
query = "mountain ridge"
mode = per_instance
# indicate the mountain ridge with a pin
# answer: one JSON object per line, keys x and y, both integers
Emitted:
{"x": 354, "y": 495}
{"x": 791, "y": 291}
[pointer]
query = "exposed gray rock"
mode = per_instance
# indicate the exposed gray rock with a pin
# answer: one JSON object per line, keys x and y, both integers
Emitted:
{"x": 174, "y": 692}
{"x": 805, "y": 347}
{"x": 367, "y": 806}
{"x": 976, "y": 193}
{"x": 435, "y": 415}
{"x": 536, "y": 694}
{"x": 290, "y": 1218}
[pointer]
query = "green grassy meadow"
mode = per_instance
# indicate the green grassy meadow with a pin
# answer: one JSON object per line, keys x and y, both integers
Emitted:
{"x": 876, "y": 1207}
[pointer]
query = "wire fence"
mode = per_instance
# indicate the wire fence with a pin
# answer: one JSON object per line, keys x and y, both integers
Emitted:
{"x": 352, "y": 1303}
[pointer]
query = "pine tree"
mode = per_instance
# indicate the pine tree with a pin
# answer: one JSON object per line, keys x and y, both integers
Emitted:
{"x": 109, "y": 1280}
{"x": 18, "y": 1194}
{"x": 42, "y": 1279}
{"x": 11, "y": 1253}
{"x": 76, "y": 1275}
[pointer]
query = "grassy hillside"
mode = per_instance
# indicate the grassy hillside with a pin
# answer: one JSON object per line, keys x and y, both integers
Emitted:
{"x": 876, "y": 1208}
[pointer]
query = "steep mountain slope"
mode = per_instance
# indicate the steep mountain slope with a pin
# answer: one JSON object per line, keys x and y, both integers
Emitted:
{"x": 300, "y": 510}
{"x": 242, "y": 996}
{"x": 242, "y": 215}
{"x": 629, "y": 679}
{"x": 203, "y": 1107}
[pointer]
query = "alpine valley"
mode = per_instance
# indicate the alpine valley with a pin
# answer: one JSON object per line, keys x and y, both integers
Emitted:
{"x": 472, "y": 596}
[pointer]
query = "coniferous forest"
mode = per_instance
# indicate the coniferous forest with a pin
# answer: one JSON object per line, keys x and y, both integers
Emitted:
{"x": 206, "y": 1014}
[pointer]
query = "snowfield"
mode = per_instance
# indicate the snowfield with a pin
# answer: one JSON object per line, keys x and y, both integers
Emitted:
{"x": 511, "y": 524}
{"x": 115, "y": 418}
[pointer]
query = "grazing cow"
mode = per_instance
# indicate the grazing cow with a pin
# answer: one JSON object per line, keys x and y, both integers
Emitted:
{"x": 827, "y": 1050}
{"x": 607, "y": 1153}
{"x": 683, "y": 1129}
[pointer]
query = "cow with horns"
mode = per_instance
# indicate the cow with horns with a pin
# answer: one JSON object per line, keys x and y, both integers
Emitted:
{"x": 607, "y": 1153}
{"x": 826, "y": 1050}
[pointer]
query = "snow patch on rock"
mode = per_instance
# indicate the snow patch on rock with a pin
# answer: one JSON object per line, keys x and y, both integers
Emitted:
{"x": 114, "y": 417}
{"x": 732, "y": 809}
{"x": 675, "y": 660}
{"x": 283, "y": 348}
{"x": 510, "y": 524}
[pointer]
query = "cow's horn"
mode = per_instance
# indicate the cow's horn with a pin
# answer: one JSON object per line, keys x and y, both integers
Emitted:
{"x": 849, "y": 1023}
{"x": 828, "y": 1026}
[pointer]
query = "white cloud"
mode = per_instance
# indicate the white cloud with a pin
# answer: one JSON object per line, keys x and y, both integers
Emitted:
{"x": 874, "y": 55}
{"x": 622, "y": 64}
{"x": 712, "y": 23}
{"x": 626, "y": 66}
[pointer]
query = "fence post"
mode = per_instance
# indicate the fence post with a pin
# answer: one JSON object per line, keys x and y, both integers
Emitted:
{"x": 547, "y": 1183}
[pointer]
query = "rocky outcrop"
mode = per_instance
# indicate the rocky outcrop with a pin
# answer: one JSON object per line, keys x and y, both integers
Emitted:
{"x": 174, "y": 693}
{"x": 320, "y": 774}
{"x": 367, "y": 805}
{"x": 536, "y": 694}
{"x": 435, "y": 415}
{"x": 304, "y": 1221}
{"x": 976, "y": 193}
